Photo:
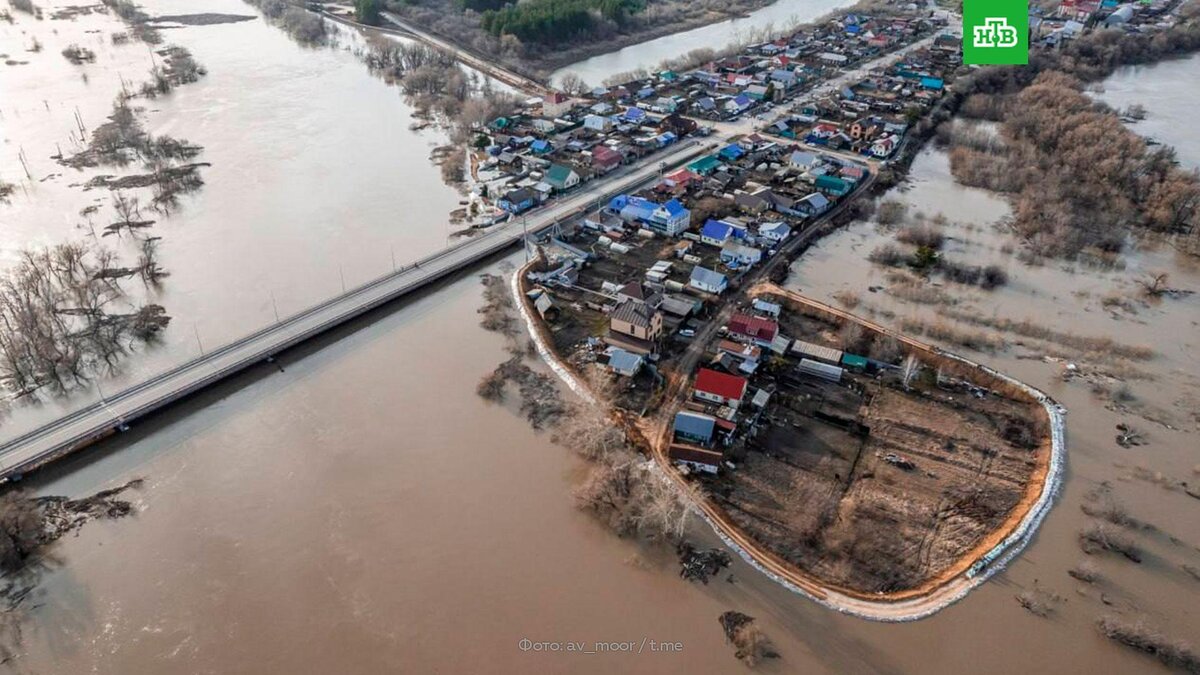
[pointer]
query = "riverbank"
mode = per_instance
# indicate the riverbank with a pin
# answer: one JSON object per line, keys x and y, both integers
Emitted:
{"x": 448, "y": 22}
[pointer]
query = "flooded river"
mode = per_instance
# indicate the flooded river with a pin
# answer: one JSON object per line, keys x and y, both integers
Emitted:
{"x": 1168, "y": 91}
{"x": 315, "y": 177}
{"x": 363, "y": 511}
{"x": 779, "y": 15}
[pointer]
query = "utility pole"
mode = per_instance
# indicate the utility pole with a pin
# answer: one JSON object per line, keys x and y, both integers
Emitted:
{"x": 196, "y": 330}
{"x": 274, "y": 306}
{"x": 393, "y": 258}
{"x": 525, "y": 237}
{"x": 342, "y": 276}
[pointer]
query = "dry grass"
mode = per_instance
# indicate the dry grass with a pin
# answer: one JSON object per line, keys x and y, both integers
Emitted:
{"x": 978, "y": 340}
{"x": 848, "y": 299}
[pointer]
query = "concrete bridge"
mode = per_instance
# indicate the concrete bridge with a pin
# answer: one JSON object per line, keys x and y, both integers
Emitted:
{"x": 113, "y": 413}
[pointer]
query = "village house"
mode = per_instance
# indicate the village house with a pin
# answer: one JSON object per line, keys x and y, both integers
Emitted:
{"x": 715, "y": 233}
{"x": 636, "y": 292}
{"x": 814, "y": 204}
{"x": 774, "y": 233}
{"x": 637, "y": 320}
{"x": 519, "y": 200}
{"x": 555, "y": 104}
{"x": 561, "y": 177}
{"x": 708, "y": 281}
{"x": 624, "y": 363}
{"x": 694, "y": 427}
{"x": 671, "y": 218}
{"x": 605, "y": 159}
{"x": 735, "y": 254}
{"x": 764, "y": 308}
{"x": 753, "y": 329}
{"x": 598, "y": 123}
{"x": 719, "y": 388}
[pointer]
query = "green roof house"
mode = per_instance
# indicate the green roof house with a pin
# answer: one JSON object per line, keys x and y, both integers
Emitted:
{"x": 705, "y": 165}
{"x": 561, "y": 177}
{"x": 832, "y": 185}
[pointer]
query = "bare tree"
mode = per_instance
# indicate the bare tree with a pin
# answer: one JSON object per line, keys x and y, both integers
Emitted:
{"x": 1154, "y": 283}
{"x": 573, "y": 85}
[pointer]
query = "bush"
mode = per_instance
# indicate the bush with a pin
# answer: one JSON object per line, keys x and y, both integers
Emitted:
{"x": 1172, "y": 653}
{"x": 367, "y": 11}
{"x": 922, "y": 235}
{"x": 890, "y": 212}
{"x": 889, "y": 255}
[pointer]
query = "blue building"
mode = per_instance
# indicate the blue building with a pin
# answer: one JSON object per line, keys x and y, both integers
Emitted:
{"x": 519, "y": 200}
{"x": 694, "y": 427}
{"x": 715, "y": 232}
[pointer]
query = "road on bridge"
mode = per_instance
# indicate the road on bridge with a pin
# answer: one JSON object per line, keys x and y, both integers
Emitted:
{"x": 100, "y": 419}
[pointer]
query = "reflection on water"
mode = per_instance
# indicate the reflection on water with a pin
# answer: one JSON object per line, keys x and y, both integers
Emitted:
{"x": 315, "y": 177}
{"x": 779, "y": 15}
{"x": 1168, "y": 91}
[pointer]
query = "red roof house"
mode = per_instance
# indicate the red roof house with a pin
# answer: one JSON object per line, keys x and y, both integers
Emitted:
{"x": 753, "y": 328}
{"x": 605, "y": 158}
{"x": 720, "y": 388}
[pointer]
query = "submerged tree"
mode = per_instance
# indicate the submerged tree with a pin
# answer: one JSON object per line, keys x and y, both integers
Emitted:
{"x": 64, "y": 317}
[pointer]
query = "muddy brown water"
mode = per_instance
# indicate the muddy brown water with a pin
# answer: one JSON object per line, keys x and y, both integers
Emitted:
{"x": 316, "y": 178}
{"x": 363, "y": 511}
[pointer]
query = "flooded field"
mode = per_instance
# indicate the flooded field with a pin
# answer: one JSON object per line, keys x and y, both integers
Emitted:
{"x": 361, "y": 510}
{"x": 316, "y": 178}
{"x": 1158, "y": 397}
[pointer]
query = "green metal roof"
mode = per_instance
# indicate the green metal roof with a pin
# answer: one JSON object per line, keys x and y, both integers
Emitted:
{"x": 854, "y": 361}
{"x": 705, "y": 164}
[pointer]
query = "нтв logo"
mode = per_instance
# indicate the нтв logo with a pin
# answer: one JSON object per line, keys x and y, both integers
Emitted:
{"x": 995, "y": 32}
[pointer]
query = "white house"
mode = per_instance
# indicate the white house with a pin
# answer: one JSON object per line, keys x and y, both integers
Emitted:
{"x": 708, "y": 281}
{"x": 670, "y": 218}
{"x": 735, "y": 253}
{"x": 774, "y": 232}
{"x": 598, "y": 123}
{"x": 804, "y": 160}
{"x": 884, "y": 146}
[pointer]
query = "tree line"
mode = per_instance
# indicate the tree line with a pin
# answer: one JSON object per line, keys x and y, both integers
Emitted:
{"x": 556, "y": 21}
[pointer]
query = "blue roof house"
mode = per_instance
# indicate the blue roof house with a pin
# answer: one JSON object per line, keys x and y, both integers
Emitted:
{"x": 774, "y": 232}
{"x": 707, "y": 280}
{"x": 624, "y": 362}
{"x": 516, "y": 201}
{"x": 670, "y": 219}
{"x": 634, "y": 115}
{"x": 694, "y": 427}
{"x": 541, "y": 147}
{"x": 637, "y": 209}
{"x": 732, "y": 151}
{"x": 715, "y": 232}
